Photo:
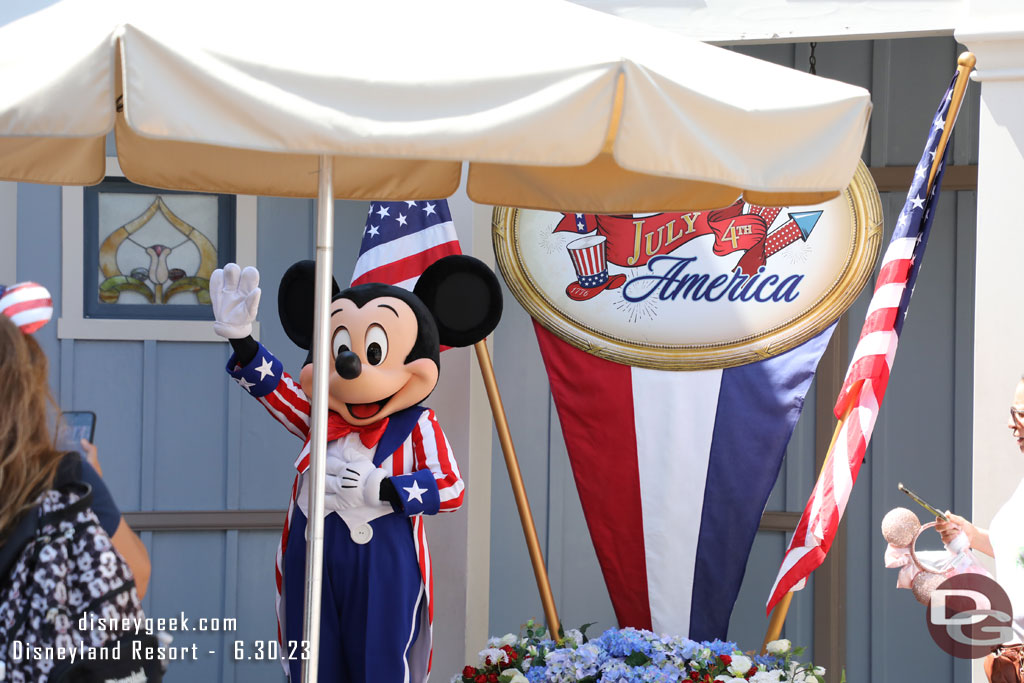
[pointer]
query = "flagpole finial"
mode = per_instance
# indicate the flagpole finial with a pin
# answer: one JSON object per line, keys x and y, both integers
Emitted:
{"x": 967, "y": 59}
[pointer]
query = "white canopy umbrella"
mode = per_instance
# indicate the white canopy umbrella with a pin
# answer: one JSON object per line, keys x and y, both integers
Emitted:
{"x": 553, "y": 105}
{"x": 242, "y": 97}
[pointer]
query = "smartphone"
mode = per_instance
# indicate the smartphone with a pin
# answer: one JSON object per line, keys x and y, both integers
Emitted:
{"x": 917, "y": 499}
{"x": 75, "y": 425}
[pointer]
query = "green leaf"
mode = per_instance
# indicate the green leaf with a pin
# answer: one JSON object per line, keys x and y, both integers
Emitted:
{"x": 583, "y": 630}
{"x": 111, "y": 288}
{"x": 637, "y": 659}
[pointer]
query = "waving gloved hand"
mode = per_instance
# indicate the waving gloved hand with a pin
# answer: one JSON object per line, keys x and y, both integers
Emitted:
{"x": 352, "y": 484}
{"x": 235, "y": 295}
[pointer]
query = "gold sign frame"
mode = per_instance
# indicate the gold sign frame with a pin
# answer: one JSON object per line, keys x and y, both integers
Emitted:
{"x": 865, "y": 209}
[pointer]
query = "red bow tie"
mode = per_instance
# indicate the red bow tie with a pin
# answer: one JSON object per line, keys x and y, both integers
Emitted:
{"x": 369, "y": 434}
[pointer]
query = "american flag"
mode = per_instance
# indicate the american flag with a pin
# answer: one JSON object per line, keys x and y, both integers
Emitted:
{"x": 401, "y": 239}
{"x": 27, "y": 304}
{"x": 864, "y": 387}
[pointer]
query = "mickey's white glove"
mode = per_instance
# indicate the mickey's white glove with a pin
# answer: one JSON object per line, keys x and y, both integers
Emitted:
{"x": 235, "y": 295}
{"x": 352, "y": 484}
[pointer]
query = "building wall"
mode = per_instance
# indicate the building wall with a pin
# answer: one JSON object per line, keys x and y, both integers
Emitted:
{"x": 922, "y": 438}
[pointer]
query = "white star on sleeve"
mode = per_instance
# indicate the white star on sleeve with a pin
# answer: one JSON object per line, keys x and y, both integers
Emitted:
{"x": 265, "y": 369}
{"x": 411, "y": 204}
{"x": 245, "y": 385}
{"x": 384, "y": 211}
{"x": 374, "y": 231}
{"x": 429, "y": 208}
{"x": 402, "y": 220}
{"x": 415, "y": 492}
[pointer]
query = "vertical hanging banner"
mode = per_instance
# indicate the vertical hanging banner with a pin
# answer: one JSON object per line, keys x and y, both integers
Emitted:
{"x": 679, "y": 348}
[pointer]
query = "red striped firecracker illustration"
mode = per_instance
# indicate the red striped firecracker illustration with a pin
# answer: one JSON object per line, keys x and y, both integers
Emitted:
{"x": 768, "y": 213}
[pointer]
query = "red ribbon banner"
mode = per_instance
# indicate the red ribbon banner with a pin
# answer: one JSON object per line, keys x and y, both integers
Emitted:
{"x": 632, "y": 242}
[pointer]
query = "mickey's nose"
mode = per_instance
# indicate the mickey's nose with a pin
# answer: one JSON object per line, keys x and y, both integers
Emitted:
{"x": 348, "y": 365}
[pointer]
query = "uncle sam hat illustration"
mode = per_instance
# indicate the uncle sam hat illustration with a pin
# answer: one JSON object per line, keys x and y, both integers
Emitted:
{"x": 588, "y": 258}
{"x": 27, "y": 304}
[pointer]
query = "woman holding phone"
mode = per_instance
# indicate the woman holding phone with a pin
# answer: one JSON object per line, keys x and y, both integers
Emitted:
{"x": 29, "y": 460}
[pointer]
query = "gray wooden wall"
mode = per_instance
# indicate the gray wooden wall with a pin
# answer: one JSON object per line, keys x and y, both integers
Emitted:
{"x": 922, "y": 436}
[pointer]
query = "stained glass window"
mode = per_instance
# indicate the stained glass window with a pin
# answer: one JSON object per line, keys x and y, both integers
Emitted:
{"x": 149, "y": 253}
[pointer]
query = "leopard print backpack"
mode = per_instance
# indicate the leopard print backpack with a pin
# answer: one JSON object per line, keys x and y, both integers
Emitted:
{"x": 60, "y": 579}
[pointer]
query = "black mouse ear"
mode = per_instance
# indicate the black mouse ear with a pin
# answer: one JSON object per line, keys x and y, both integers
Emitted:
{"x": 464, "y": 296}
{"x": 296, "y": 297}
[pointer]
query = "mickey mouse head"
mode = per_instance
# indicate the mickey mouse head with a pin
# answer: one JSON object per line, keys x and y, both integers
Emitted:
{"x": 386, "y": 340}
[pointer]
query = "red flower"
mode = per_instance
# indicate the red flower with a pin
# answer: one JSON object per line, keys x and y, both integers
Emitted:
{"x": 469, "y": 672}
{"x": 726, "y": 659}
{"x": 694, "y": 675}
{"x": 753, "y": 670}
{"x": 480, "y": 679}
{"x": 512, "y": 655}
{"x": 492, "y": 678}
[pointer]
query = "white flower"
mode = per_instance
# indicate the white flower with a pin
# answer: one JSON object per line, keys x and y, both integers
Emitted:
{"x": 575, "y": 635}
{"x": 508, "y": 639}
{"x": 512, "y": 676}
{"x": 766, "y": 677}
{"x": 492, "y": 655}
{"x": 820, "y": 670}
{"x": 779, "y": 647}
{"x": 740, "y": 665}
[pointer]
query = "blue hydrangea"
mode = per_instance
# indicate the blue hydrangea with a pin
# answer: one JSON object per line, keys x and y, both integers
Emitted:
{"x": 720, "y": 648}
{"x": 536, "y": 674}
{"x": 769, "y": 662}
{"x": 666, "y": 659}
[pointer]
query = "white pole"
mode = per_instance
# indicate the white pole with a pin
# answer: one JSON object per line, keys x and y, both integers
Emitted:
{"x": 318, "y": 427}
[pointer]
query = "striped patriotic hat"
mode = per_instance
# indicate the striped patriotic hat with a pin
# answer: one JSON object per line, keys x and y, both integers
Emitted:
{"x": 588, "y": 258}
{"x": 28, "y": 304}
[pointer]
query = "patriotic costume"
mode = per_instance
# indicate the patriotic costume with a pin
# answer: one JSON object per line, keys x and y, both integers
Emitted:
{"x": 387, "y": 460}
{"x": 377, "y": 605}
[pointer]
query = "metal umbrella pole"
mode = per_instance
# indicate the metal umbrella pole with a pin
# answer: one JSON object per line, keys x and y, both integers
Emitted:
{"x": 318, "y": 423}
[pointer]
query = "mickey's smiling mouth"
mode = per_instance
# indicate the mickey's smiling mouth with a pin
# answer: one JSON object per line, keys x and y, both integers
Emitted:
{"x": 364, "y": 411}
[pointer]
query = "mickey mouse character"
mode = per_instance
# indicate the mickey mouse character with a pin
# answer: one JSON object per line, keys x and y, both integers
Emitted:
{"x": 388, "y": 462}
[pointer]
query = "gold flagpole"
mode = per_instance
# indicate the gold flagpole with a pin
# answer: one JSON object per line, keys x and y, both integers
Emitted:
{"x": 965, "y": 63}
{"x": 515, "y": 477}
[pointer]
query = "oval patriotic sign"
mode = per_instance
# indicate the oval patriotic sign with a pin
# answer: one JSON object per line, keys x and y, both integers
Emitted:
{"x": 692, "y": 290}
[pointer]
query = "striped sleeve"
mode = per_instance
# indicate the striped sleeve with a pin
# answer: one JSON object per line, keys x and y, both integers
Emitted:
{"x": 435, "y": 484}
{"x": 265, "y": 379}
